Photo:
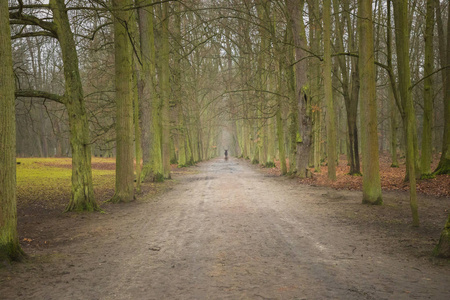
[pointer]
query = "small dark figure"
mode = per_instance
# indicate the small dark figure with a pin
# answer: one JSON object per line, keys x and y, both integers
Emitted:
{"x": 226, "y": 154}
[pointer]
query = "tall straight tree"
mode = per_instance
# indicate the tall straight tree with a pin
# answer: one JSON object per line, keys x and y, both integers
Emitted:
{"x": 9, "y": 239}
{"x": 393, "y": 91}
{"x": 425, "y": 159}
{"x": 124, "y": 102}
{"x": 331, "y": 126}
{"x": 369, "y": 140}
{"x": 350, "y": 82}
{"x": 165, "y": 89}
{"x": 293, "y": 111}
{"x": 294, "y": 10}
{"x": 315, "y": 38}
{"x": 444, "y": 162}
{"x": 280, "y": 127}
{"x": 443, "y": 247}
{"x": 150, "y": 108}
{"x": 404, "y": 74}
{"x": 181, "y": 133}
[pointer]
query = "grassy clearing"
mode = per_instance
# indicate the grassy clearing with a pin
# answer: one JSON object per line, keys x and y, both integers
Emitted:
{"x": 47, "y": 181}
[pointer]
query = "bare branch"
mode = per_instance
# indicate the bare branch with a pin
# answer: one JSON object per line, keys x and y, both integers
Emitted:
{"x": 33, "y": 34}
{"x": 40, "y": 94}
{"x": 18, "y": 18}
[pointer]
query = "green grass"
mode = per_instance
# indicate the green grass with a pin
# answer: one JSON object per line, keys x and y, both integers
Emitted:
{"x": 47, "y": 181}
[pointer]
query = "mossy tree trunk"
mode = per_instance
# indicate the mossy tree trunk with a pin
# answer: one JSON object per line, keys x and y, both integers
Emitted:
{"x": 150, "y": 108}
{"x": 328, "y": 89}
{"x": 263, "y": 8}
{"x": 124, "y": 103}
{"x": 137, "y": 70}
{"x": 260, "y": 83}
{"x": 315, "y": 36}
{"x": 9, "y": 239}
{"x": 369, "y": 142}
{"x": 280, "y": 125}
{"x": 82, "y": 196}
{"x": 442, "y": 249}
{"x": 165, "y": 89}
{"x": 82, "y": 188}
{"x": 137, "y": 133}
{"x": 180, "y": 137}
{"x": 444, "y": 162}
{"x": 293, "y": 111}
{"x": 425, "y": 159}
{"x": 294, "y": 10}
{"x": 402, "y": 42}
{"x": 393, "y": 123}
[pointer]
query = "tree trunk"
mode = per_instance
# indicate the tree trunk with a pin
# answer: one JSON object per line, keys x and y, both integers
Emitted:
{"x": 280, "y": 126}
{"x": 328, "y": 89}
{"x": 444, "y": 162}
{"x": 350, "y": 88}
{"x": 9, "y": 239}
{"x": 137, "y": 134}
{"x": 294, "y": 9}
{"x": 393, "y": 122}
{"x": 425, "y": 159}
{"x": 82, "y": 187}
{"x": 150, "y": 108}
{"x": 369, "y": 143}
{"x": 315, "y": 78}
{"x": 165, "y": 90}
{"x": 180, "y": 136}
{"x": 442, "y": 249}
{"x": 293, "y": 111}
{"x": 402, "y": 42}
{"x": 124, "y": 103}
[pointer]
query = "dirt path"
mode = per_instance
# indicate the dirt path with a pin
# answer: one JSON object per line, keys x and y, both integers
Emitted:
{"x": 227, "y": 232}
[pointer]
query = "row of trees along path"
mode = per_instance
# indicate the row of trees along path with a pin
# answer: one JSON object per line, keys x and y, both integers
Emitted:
{"x": 264, "y": 79}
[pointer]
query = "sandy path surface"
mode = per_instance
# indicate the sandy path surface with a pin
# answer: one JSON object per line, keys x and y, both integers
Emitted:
{"x": 226, "y": 232}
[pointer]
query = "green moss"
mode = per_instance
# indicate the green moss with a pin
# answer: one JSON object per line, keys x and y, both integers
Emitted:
{"x": 10, "y": 252}
{"x": 355, "y": 174}
{"x": 158, "y": 177}
{"x": 443, "y": 247}
{"x": 427, "y": 176}
{"x": 377, "y": 201}
{"x": 255, "y": 161}
{"x": 269, "y": 164}
{"x": 443, "y": 167}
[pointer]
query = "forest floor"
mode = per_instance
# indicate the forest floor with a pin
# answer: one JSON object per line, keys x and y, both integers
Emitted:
{"x": 231, "y": 230}
{"x": 392, "y": 179}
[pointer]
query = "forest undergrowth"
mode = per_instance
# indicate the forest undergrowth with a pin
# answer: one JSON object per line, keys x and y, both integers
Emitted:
{"x": 392, "y": 179}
